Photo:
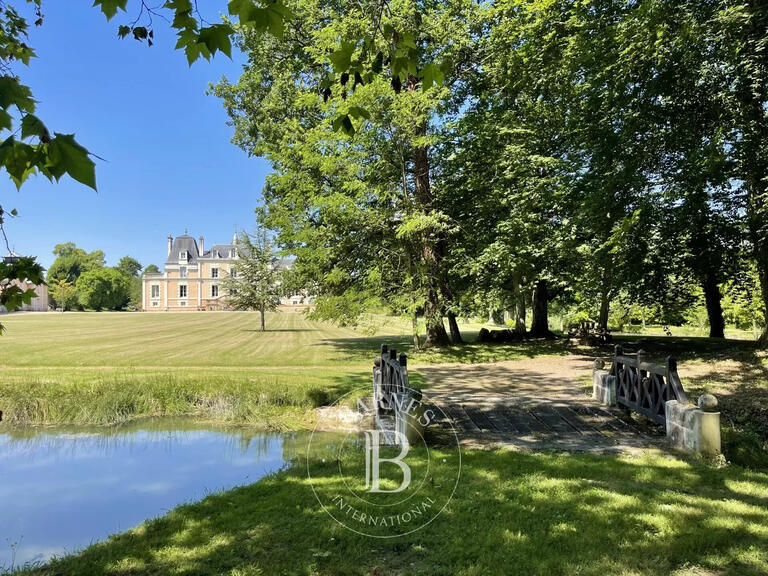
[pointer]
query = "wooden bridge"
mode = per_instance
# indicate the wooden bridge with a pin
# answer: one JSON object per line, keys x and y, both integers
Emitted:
{"x": 498, "y": 404}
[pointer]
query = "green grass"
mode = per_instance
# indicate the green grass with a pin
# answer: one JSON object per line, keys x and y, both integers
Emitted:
{"x": 226, "y": 339}
{"x": 272, "y": 400}
{"x": 512, "y": 513}
{"x": 108, "y": 368}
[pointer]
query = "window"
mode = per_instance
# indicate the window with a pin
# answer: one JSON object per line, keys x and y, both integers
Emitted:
{"x": 183, "y": 291}
{"x": 214, "y": 291}
{"x": 214, "y": 272}
{"x": 155, "y": 304}
{"x": 182, "y": 303}
{"x": 233, "y": 273}
{"x": 154, "y": 291}
{"x": 183, "y": 255}
{"x": 182, "y": 271}
{"x": 232, "y": 253}
{"x": 214, "y": 254}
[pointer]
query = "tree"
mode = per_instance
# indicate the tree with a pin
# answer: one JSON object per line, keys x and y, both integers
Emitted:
{"x": 255, "y": 282}
{"x": 103, "y": 289}
{"x": 363, "y": 145}
{"x": 72, "y": 262}
{"x": 152, "y": 269}
{"x": 14, "y": 271}
{"x": 129, "y": 266}
{"x": 64, "y": 294}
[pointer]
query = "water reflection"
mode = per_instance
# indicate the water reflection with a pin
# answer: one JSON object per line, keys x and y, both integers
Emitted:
{"x": 61, "y": 489}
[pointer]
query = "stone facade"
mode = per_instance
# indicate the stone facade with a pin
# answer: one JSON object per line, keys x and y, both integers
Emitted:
{"x": 192, "y": 276}
{"x": 191, "y": 279}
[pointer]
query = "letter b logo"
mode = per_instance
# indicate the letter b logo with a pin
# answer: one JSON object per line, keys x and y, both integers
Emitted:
{"x": 373, "y": 460}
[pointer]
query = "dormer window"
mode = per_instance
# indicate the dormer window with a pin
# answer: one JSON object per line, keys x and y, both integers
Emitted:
{"x": 232, "y": 253}
{"x": 214, "y": 254}
{"x": 183, "y": 255}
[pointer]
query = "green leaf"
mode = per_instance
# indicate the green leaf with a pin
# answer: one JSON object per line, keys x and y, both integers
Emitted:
{"x": 17, "y": 157}
{"x": 14, "y": 93}
{"x": 243, "y": 9}
{"x": 31, "y": 125}
{"x": 110, "y": 7}
{"x": 378, "y": 63}
{"x": 407, "y": 40}
{"x": 216, "y": 38}
{"x": 358, "y": 112}
{"x": 123, "y": 31}
{"x": 73, "y": 159}
{"x": 343, "y": 123}
{"x": 275, "y": 24}
{"x": 342, "y": 57}
{"x": 6, "y": 122}
{"x": 430, "y": 76}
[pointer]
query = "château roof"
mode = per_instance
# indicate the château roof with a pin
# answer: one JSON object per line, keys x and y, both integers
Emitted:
{"x": 186, "y": 243}
{"x": 183, "y": 243}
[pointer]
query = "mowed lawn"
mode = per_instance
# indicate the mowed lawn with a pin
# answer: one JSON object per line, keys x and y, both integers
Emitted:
{"x": 107, "y": 368}
{"x": 205, "y": 339}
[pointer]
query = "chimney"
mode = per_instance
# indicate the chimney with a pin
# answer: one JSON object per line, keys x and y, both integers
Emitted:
{"x": 202, "y": 247}
{"x": 170, "y": 244}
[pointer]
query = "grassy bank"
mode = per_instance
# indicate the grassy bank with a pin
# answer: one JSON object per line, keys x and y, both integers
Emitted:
{"x": 512, "y": 513}
{"x": 269, "y": 399}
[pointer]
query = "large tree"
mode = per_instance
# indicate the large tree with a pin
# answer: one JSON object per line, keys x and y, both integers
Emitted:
{"x": 103, "y": 289}
{"x": 360, "y": 151}
{"x": 71, "y": 262}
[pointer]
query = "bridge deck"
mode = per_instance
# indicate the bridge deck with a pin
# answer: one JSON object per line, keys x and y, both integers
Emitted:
{"x": 536, "y": 405}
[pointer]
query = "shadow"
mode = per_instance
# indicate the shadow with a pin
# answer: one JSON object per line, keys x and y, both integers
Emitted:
{"x": 470, "y": 352}
{"x": 511, "y": 513}
{"x": 278, "y": 330}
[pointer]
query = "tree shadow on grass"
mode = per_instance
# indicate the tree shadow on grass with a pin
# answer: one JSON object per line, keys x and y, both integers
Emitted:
{"x": 471, "y": 352}
{"x": 511, "y": 513}
{"x": 278, "y": 330}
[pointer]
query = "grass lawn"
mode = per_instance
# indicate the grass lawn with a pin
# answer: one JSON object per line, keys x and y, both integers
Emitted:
{"x": 105, "y": 368}
{"x": 512, "y": 513}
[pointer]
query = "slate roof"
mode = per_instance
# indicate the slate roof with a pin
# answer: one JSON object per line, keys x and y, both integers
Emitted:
{"x": 221, "y": 249}
{"x": 183, "y": 243}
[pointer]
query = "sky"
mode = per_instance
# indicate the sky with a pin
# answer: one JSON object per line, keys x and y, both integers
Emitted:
{"x": 169, "y": 164}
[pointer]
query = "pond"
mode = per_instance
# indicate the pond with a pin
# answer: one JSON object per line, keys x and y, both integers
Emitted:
{"x": 62, "y": 489}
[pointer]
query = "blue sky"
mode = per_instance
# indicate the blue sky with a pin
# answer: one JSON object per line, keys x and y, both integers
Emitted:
{"x": 169, "y": 163}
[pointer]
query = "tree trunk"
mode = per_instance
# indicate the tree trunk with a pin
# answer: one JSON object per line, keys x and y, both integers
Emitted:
{"x": 605, "y": 295}
{"x": 431, "y": 257}
{"x": 519, "y": 296}
{"x": 261, "y": 312}
{"x": 453, "y": 325}
{"x": 540, "y": 321}
{"x": 415, "y": 329}
{"x": 495, "y": 317}
{"x": 712, "y": 298}
{"x": 761, "y": 256}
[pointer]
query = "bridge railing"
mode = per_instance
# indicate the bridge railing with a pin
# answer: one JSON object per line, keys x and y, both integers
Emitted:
{"x": 398, "y": 407}
{"x": 646, "y": 387}
{"x": 390, "y": 376}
